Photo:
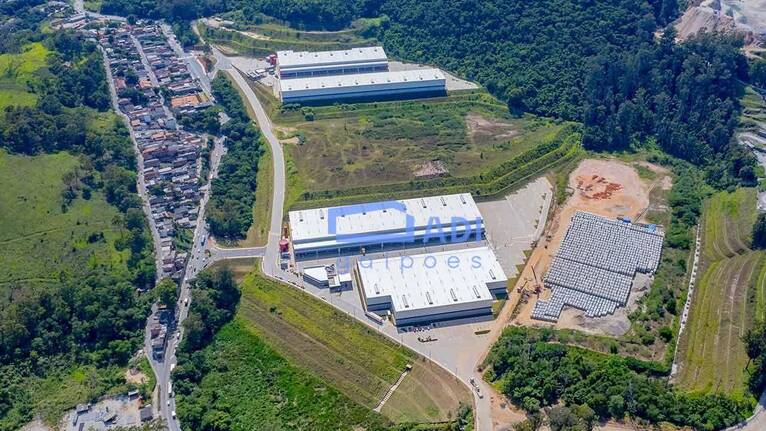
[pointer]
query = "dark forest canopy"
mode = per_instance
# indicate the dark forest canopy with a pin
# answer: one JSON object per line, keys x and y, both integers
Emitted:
{"x": 534, "y": 373}
{"x": 599, "y": 62}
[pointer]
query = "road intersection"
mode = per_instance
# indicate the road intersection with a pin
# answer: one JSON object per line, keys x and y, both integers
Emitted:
{"x": 204, "y": 253}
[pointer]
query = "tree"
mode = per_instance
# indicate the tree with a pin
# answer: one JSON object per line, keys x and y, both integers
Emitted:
{"x": 759, "y": 232}
{"x": 166, "y": 293}
{"x": 562, "y": 418}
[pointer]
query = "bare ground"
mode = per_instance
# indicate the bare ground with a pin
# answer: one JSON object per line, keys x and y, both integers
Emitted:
{"x": 605, "y": 187}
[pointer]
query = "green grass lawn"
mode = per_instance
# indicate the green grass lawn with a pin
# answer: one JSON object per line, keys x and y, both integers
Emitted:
{"x": 16, "y": 70}
{"x": 260, "y": 389}
{"x": 374, "y": 144}
{"x": 348, "y": 355}
{"x": 40, "y": 241}
{"x": 729, "y": 294}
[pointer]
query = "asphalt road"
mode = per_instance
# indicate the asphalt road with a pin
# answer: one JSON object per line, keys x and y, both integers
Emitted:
{"x": 270, "y": 264}
{"x": 270, "y": 261}
{"x": 194, "y": 66}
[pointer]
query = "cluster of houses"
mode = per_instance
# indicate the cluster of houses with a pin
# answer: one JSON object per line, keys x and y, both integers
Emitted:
{"x": 159, "y": 332}
{"x": 154, "y": 86}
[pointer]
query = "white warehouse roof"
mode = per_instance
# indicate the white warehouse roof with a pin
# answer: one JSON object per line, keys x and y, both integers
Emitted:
{"x": 297, "y": 59}
{"x": 401, "y": 77}
{"x": 433, "y": 283}
{"x": 310, "y": 229}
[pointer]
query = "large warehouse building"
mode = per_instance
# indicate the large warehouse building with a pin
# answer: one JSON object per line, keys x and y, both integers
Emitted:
{"x": 304, "y": 64}
{"x": 365, "y": 86}
{"x": 351, "y": 227}
{"x": 431, "y": 287}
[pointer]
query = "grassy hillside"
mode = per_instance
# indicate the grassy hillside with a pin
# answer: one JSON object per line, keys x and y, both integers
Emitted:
{"x": 728, "y": 295}
{"x": 369, "y": 148}
{"x": 260, "y": 389}
{"x": 39, "y": 240}
{"x": 264, "y": 38}
{"x": 16, "y": 70}
{"x": 348, "y": 355}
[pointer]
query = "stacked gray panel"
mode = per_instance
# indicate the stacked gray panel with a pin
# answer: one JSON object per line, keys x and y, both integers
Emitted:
{"x": 595, "y": 265}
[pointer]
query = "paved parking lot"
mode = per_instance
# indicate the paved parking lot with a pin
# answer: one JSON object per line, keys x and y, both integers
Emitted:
{"x": 513, "y": 224}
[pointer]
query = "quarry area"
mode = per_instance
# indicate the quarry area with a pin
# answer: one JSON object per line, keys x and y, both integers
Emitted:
{"x": 745, "y": 17}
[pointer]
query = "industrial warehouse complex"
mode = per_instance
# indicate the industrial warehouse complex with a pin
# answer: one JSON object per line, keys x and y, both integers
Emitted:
{"x": 412, "y": 288}
{"x": 353, "y": 74}
{"x": 304, "y": 64}
{"x": 432, "y": 287}
{"x": 449, "y": 218}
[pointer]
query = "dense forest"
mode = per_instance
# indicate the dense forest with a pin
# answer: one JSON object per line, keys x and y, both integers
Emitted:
{"x": 597, "y": 62}
{"x": 94, "y": 315}
{"x": 534, "y": 373}
{"x": 230, "y": 211}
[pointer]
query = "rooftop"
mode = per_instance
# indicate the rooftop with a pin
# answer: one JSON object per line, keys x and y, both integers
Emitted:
{"x": 361, "y": 79}
{"x": 379, "y": 217}
{"x": 432, "y": 280}
{"x": 291, "y": 59}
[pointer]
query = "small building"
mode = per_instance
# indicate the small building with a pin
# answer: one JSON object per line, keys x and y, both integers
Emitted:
{"x": 327, "y": 276}
{"x": 431, "y": 287}
{"x": 146, "y": 414}
{"x": 303, "y": 64}
{"x": 364, "y": 86}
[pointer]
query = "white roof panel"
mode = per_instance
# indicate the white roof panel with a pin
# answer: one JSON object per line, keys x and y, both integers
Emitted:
{"x": 296, "y": 59}
{"x": 313, "y": 225}
{"x": 361, "y": 80}
{"x": 432, "y": 282}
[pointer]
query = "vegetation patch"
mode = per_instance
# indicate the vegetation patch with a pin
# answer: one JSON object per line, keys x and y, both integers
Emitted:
{"x": 535, "y": 373}
{"x": 712, "y": 356}
{"x": 251, "y": 385}
{"x": 352, "y": 357}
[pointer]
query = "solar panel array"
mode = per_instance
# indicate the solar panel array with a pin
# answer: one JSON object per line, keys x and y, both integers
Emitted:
{"x": 595, "y": 266}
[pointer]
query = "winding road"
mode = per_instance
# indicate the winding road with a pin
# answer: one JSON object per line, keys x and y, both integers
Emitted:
{"x": 204, "y": 253}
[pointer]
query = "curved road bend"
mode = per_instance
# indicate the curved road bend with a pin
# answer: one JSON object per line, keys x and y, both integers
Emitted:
{"x": 270, "y": 261}
{"x": 270, "y": 265}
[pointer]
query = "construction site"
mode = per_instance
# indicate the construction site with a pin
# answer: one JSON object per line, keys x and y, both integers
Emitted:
{"x": 597, "y": 255}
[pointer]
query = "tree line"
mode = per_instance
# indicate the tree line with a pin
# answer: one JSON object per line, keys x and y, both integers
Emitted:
{"x": 230, "y": 209}
{"x": 537, "y": 374}
{"x": 94, "y": 315}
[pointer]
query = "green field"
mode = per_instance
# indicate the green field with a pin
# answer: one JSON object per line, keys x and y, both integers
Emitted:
{"x": 39, "y": 241}
{"x": 352, "y": 150}
{"x": 729, "y": 293}
{"x": 348, "y": 355}
{"x": 16, "y": 70}
{"x": 265, "y": 38}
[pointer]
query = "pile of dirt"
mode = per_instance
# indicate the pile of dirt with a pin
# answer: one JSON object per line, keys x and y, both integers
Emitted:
{"x": 596, "y": 187}
{"x": 431, "y": 169}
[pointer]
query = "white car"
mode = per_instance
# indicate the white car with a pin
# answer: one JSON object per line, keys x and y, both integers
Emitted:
{"x": 173, "y": 413}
